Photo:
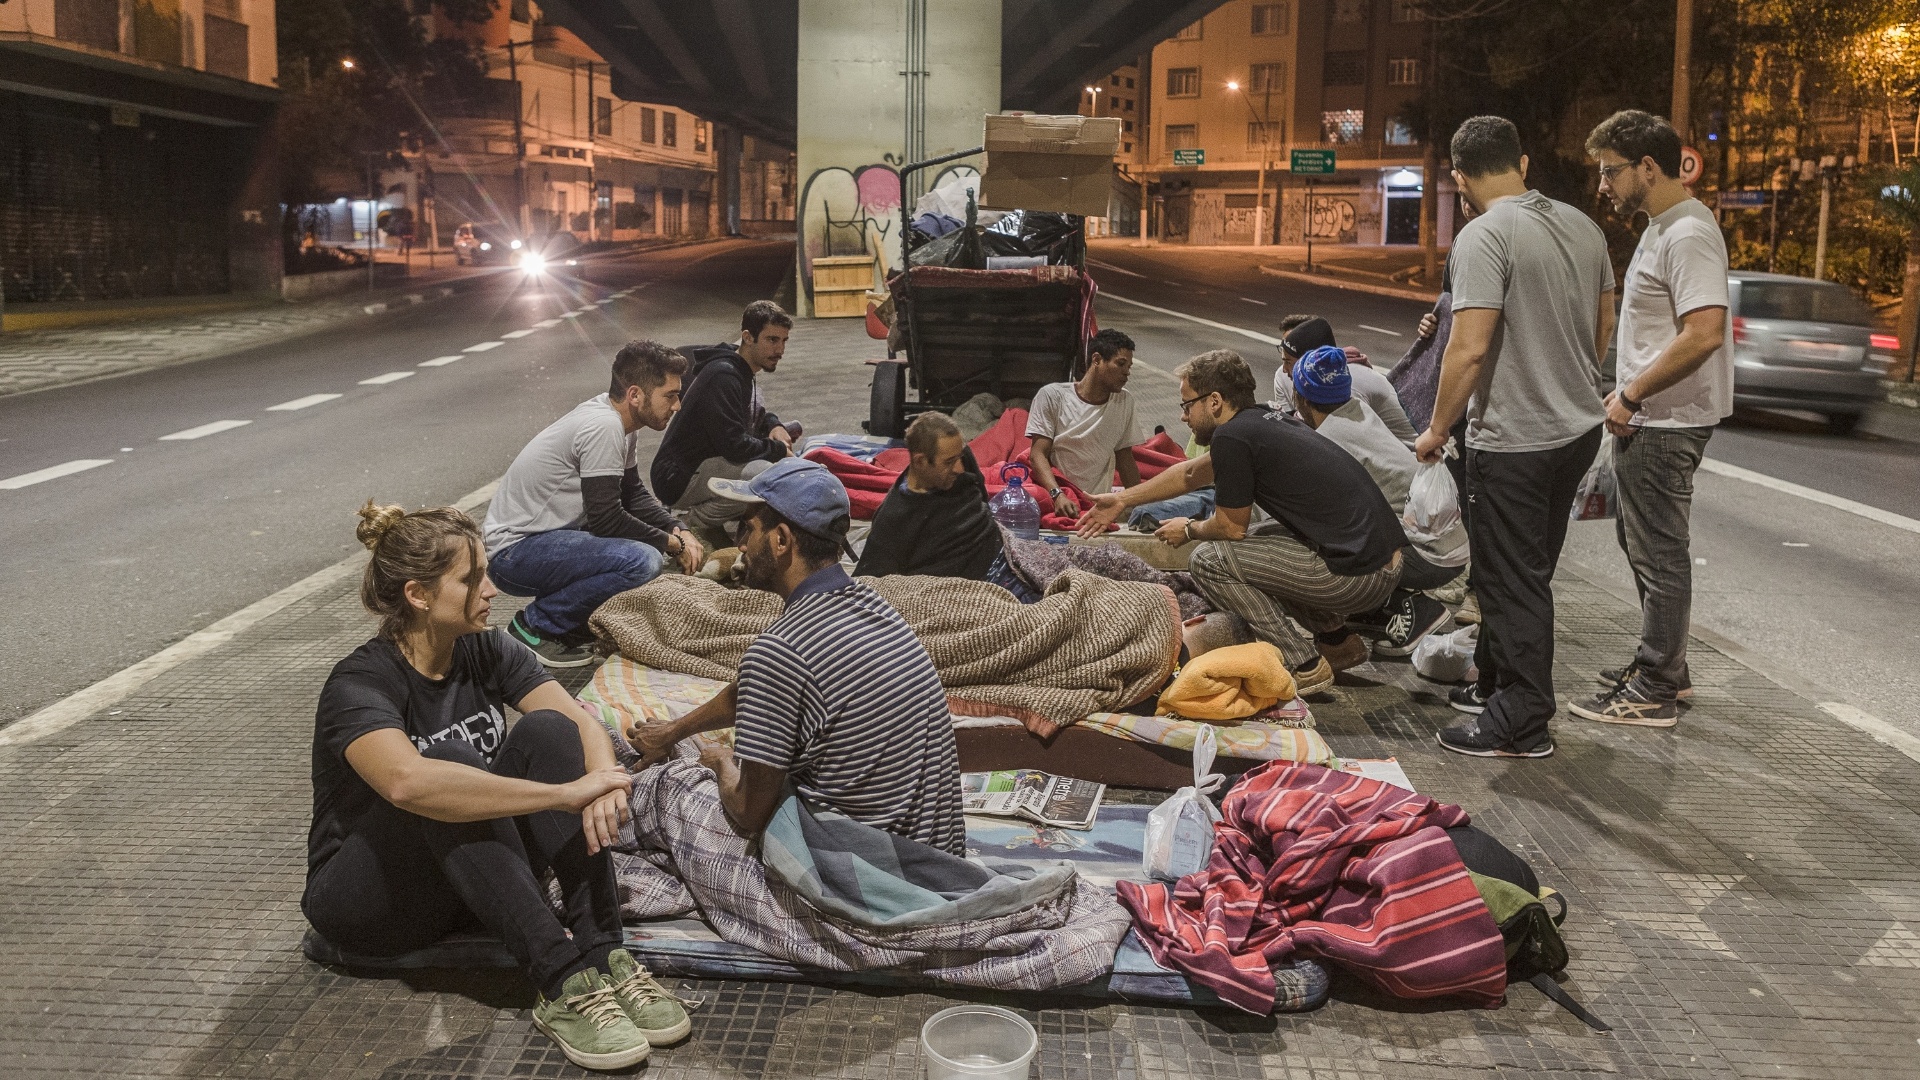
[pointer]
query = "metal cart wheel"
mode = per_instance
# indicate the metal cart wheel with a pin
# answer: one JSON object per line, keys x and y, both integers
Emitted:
{"x": 887, "y": 407}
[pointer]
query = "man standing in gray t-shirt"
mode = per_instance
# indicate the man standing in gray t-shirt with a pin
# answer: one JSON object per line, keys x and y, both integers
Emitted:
{"x": 1531, "y": 321}
{"x": 1676, "y": 383}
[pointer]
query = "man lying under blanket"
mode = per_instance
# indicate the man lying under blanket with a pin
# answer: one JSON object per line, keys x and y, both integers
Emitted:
{"x": 837, "y": 696}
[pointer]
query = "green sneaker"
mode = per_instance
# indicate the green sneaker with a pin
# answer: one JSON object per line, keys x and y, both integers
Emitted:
{"x": 659, "y": 1014}
{"x": 589, "y": 1026}
{"x": 553, "y": 653}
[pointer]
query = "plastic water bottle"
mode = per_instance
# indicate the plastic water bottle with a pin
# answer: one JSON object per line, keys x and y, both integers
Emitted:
{"x": 1013, "y": 507}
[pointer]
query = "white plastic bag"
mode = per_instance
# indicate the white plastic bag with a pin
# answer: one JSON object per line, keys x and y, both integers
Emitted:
{"x": 1180, "y": 831}
{"x": 1598, "y": 498}
{"x": 1447, "y": 658}
{"x": 1433, "y": 503}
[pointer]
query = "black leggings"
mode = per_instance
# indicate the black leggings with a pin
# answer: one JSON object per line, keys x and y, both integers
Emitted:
{"x": 401, "y": 882}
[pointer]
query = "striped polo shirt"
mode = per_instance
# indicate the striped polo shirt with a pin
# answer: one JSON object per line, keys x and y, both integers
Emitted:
{"x": 841, "y": 695}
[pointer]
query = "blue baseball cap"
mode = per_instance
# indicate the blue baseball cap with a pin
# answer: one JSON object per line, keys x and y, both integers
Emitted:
{"x": 1322, "y": 377}
{"x": 801, "y": 491}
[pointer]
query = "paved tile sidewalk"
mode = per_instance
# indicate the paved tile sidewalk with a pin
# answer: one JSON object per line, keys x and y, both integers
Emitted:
{"x": 1745, "y": 894}
{"x": 38, "y": 359}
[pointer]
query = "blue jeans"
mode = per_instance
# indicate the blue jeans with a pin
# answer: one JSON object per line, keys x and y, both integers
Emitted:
{"x": 570, "y": 572}
{"x": 1197, "y": 505}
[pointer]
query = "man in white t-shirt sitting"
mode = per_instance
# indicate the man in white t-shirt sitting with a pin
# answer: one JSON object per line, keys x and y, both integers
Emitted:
{"x": 1675, "y": 384}
{"x": 1084, "y": 431}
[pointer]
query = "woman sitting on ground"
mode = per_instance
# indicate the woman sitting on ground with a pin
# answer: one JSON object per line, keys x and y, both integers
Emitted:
{"x": 430, "y": 816}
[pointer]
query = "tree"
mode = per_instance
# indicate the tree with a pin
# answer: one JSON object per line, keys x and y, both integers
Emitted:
{"x": 361, "y": 79}
{"x": 1900, "y": 203}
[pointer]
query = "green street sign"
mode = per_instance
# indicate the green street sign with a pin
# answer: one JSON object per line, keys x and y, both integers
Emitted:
{"x": 1189, "y": 157}
{"x": 1312, "y": 162}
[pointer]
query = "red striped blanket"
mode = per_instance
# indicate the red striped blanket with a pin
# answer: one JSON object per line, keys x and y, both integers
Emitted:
{"x": 1334, "y": 866}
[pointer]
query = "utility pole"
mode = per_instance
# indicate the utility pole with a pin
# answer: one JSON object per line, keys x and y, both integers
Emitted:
{"x": 1682, "y": 68}
{"x": 1828, "y": 166}
{"x": 373, "y": 220}
{"x": 1430, "y": 166}
{"x": 519, "y": 142}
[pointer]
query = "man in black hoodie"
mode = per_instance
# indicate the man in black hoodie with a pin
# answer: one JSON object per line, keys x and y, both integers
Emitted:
{"x": 724, "y": 429}
{"x": 935, "y": 521}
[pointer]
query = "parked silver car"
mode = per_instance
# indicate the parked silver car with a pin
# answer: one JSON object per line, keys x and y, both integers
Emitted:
{"x": 1805, "y": 344}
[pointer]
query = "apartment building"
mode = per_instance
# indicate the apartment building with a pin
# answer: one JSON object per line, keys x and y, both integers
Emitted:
{"x": 1228, "y": 99}
{"x": 130, "y": 139}
{"x": 552, "y": 148}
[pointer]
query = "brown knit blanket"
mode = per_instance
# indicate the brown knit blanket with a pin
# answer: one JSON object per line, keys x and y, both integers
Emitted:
{"x": 1090, "y": 645}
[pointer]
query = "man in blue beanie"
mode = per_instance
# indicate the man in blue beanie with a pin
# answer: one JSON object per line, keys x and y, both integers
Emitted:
{"x": 1323, "y": 397}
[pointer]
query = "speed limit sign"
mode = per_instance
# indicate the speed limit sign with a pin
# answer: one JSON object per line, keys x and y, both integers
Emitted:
{"x": 1691, "y": 166}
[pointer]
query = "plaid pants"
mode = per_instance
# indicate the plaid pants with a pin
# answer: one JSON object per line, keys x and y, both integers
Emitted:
{"x": 1266, "y": 579}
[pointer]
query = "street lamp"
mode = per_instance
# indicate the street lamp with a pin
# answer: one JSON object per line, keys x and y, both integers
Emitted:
{"x": 1094, "y": 109}
{"x": 1260, "y": 186}
{"x": 346, "y": 65}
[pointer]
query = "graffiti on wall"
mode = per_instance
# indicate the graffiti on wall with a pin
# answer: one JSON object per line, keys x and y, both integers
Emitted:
{"x": 1333, "y": 218}
{"x": 841, "y": 208}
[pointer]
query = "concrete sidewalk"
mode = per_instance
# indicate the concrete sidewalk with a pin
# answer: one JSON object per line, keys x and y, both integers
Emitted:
{"x": 1744, "y": 889}
{"x": 39, "y": 359}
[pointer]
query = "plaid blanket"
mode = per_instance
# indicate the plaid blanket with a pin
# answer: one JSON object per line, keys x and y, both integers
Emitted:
{"x": 872, "y": 878}
{"x": 1333, "y": 866}
{"x": 1089, "y": 645}
{"x": 1040, "y": 562}
{"x": 688, "y": 854}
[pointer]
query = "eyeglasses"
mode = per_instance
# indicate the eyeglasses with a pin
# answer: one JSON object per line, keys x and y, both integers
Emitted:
{"x": 1608, "y": 172}
{"x": 1188, "y": 403}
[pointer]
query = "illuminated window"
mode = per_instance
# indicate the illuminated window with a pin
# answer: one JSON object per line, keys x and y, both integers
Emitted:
{"x": 669, "y": 128}
{"x": 1400, "y": 133}
{"x": 1183, "y": 82}
{"x": 1403, "y": 71}
{"x": 1343, "y": 125}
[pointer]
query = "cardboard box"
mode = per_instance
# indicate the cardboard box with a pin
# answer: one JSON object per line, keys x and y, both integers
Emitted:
{"x": 1058, "y": 163}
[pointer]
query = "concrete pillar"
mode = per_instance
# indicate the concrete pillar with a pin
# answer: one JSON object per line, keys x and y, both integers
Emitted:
{"x": 853, "y": 110}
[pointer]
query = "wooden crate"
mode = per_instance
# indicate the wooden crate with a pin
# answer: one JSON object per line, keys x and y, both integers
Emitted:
{"x": 840, "y": 284}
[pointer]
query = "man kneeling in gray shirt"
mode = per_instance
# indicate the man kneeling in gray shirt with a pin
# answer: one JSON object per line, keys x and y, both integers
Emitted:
{"x": 572, "y": 524}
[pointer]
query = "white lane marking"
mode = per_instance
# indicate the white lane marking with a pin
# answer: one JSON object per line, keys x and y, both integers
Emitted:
{"x": 483, "y": 346}
{"x": 544, "y": 324}
{"x": 52, "y": 472}
{"x": 583, "y": 309}
{"x": 204, "y": 430}
{"x": 1115, "y": 269}
{"x": 440, "y": 361}
{"x": 1254, "y": 334}
{"x": 1251, "y": 300}
{"x": 1873, "y": 727}
{"x": 571, "y": 315}
{"x": 389, "y": 377}
{"x": 1871, "y": 513}
{"x": 603, "y": 303}
{"x": 301, "y": 403}
{"x": 115, "y": 688}
{"x": 516, "y": 333}
{"x": 1789, "y": 543}
{"x": 1382, "y": 330}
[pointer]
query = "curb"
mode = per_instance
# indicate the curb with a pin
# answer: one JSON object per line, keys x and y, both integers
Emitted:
{"x": 1352, "y": 286}
{"x": 1901, "y": 393}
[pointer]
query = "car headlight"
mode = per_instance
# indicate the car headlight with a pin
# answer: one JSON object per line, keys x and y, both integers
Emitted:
{"x": 484, "y": 246}
{"x": 532, "y": 263}
{"x": 515, "y": 245}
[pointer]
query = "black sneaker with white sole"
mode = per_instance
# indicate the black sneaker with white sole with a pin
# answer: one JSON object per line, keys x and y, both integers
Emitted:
{"x": 1414, "y": 616}
{"x": 1467, "y": 699}
{"x": 1472, "y": 738}
{"x": 1632, "y": 704}
{"x": 1620, "y": 676}
{"x": 552, "y": 652}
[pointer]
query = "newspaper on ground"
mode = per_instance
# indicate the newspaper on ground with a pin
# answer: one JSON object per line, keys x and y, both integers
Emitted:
{"x": 1043, "y": 798}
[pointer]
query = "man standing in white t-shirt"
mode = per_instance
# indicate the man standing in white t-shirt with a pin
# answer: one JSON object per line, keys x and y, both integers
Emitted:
{"x": 1085, "y": 430}
{"x": 1675, "y": 384}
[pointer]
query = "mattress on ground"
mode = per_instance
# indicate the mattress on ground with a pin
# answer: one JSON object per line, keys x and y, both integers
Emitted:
{"x": 1103, "y": 855}
{"x": 1116, "y": 749}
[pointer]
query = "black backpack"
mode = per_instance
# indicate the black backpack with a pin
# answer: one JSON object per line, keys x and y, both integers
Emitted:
{"x": 1535, "y": 950}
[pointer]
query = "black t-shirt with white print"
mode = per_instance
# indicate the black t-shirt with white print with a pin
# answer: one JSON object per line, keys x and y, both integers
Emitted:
{"x": 375, "y": 688}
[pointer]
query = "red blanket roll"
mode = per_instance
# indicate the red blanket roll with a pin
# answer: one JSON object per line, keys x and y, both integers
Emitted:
{"x": 1334, "y": 866}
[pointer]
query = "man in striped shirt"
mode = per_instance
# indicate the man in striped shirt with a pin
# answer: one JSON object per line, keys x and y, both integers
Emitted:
{"x": 837, "y": 697}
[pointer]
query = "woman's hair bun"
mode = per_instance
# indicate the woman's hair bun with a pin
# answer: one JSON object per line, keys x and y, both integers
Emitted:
{"x": 375, "y": 521}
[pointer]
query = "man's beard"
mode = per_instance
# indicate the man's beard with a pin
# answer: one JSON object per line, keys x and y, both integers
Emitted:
{"x": 757, "y": 569}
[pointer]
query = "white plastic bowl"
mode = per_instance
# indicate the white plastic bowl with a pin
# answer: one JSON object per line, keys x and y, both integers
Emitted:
{"x": 977, "y": 1042}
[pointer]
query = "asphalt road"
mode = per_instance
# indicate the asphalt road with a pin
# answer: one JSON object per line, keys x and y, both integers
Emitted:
{"x": 106, "y": 566}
